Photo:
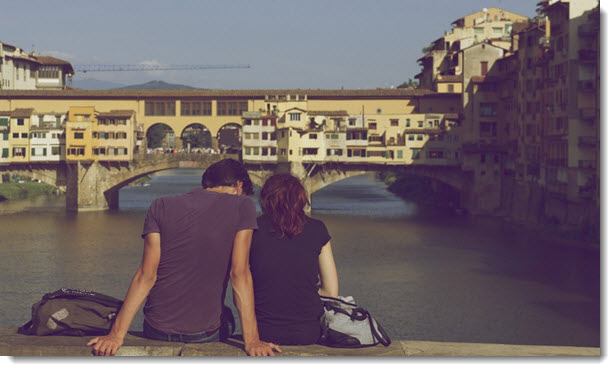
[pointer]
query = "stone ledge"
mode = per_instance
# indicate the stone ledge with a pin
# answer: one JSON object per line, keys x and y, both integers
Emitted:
{"x": 13, "y": 344}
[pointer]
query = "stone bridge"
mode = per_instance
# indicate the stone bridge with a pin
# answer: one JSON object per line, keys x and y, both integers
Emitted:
{"x": 95, "y": 185}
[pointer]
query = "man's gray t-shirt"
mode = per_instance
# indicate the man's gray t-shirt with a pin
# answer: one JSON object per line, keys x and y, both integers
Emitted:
{"x": 197, "y": 230}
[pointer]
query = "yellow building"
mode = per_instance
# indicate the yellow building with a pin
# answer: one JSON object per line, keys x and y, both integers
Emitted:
{"x": 19, "y": 139}
{"x": 80, "y": 126}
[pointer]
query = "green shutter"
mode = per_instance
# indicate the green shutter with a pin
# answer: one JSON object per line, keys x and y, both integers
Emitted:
{"x": 4, "y": 121}
{"x": 5, "y": 136}
{"x": 32, "y": 151}
{"x": 5, "y": 152}
{"x": 44, "y": 151}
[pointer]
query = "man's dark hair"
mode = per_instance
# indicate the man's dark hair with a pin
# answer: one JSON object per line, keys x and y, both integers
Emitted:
{"x": 227, "y": 173}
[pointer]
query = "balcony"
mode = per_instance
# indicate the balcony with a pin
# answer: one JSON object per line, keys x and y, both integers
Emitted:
{"x": 588, "y": 141}
{"x": 47, "y": 126}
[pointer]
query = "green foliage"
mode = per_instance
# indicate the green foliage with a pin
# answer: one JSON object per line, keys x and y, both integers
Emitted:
{"x": 408, "y": 84}
{"x": 19, "y": 191}
{"x": 155, "y": 135}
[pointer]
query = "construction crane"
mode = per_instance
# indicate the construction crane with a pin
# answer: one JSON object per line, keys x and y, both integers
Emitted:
{"x": 150, "y": 67}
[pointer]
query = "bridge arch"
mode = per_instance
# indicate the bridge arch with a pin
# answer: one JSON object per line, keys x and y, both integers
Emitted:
{"x": 229, "y": 137}
{"x": 196, "y": 135}
{"x": 160, "y": 135}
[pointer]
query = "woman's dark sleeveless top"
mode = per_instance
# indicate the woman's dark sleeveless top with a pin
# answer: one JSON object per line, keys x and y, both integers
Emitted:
{"x": 285, "y": 274}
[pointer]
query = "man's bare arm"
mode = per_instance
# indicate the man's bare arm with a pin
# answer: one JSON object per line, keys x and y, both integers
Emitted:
{"x": 141, "y": 284}
{"x": 243, "y": 293}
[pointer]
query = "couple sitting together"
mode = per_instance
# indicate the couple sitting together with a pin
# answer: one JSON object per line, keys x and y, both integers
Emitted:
{"x": 278, "y": 265}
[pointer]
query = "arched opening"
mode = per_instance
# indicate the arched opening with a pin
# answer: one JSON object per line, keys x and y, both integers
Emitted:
{"x": 160, "y": 137}
{"x": 195, "y": 137}
{"x": 229, "y": 138}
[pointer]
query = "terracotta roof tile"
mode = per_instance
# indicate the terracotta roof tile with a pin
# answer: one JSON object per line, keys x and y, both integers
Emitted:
{"x": 22, "y": 112}
{"x": 222, "y": 94}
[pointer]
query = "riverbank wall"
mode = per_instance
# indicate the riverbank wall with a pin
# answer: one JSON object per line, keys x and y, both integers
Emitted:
{"x": 527, "y": 205}
{"x": 16, "y": 345}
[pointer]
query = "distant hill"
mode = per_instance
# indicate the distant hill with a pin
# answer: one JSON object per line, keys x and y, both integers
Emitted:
{"x": 93, "y": 84}
{"x": 158, "y": 85}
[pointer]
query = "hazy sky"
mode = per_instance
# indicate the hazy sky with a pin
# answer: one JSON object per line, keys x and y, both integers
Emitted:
{"x": 290, "y": 44}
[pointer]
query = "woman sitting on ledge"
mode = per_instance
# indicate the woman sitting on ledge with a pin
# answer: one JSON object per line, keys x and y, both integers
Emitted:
{"x": 289, "y": 252}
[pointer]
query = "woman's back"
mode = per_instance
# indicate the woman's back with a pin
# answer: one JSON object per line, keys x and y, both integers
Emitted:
{"x": 285, "y": 274}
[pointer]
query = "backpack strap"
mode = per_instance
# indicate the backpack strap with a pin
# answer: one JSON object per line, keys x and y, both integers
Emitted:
{"x": 26, "y": 329}
{"x": 384, "y": 339}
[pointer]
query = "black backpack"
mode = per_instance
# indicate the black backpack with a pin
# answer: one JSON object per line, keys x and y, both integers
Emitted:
{"x": 72, "y": 312}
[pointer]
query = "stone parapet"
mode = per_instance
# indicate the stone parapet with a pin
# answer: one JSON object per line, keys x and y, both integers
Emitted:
{"x": 13, "y": 344}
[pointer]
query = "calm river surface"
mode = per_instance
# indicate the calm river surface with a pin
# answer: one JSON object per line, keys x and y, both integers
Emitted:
{"x": 424, "y": 274}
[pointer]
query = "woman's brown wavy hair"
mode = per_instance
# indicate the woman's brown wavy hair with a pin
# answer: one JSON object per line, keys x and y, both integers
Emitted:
{"x": 283, "y": 199}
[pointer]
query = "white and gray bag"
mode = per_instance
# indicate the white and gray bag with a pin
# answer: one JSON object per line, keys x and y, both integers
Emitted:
{"x": 345, "y": 325}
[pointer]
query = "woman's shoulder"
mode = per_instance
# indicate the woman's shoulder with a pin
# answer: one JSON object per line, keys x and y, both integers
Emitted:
{"x": 314, "y": 223}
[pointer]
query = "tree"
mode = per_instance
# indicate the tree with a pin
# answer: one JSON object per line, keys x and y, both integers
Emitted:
{"x": 155, "y": 135}
{"x": 408, "y": 84}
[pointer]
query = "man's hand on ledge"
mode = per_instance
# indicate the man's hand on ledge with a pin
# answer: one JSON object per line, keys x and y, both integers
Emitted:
{"x": 106, "y": 345}
{"x": 261, "y": 348}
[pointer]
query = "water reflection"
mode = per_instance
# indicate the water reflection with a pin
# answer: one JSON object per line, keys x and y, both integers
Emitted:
{"x": 424, "y": 274}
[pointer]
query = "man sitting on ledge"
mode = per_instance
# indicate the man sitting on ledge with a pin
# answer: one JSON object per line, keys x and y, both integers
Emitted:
{"x": 191, "y": 241}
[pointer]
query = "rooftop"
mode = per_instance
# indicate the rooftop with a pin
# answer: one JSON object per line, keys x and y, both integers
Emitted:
{"x": 240, "y": 94}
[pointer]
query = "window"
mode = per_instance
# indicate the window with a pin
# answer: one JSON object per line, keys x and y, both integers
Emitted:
{"x": 20, "y": 122}
{"x": 264, "y": 136}
{"x": 420, "y": 124}
{"x": 283, "y": 151}
{"x": 265, "y": 151}
{"x": 24, "y": 135}
{"x": 48, "y": 72}
{"x": 419, "y": 137}
{"x": 479, "y": 30}
{"x": 295, "y": 117}
{"x": 5, "y": 136}
{"x": 450, "y": 88}
{"x": 160, "y": 108}
{"x": 78, "y": 135}
{"x": 411, "y": 137}
{"x": 484, "y": 68}
{"x": 352, "y": 122}
{"x": 488, "y": 109}
{"x": 416, "y": 154}
{"x": 15, "y": 135}
{"x": 201, "y": 108}
{"x": 19, "y": 152}
{"x": 400, "y": 153}
{"x": 273, "y": 151}
{"x": 55, "y": 150}
{"x": 394, "y": 122}
{"x": 407, "y": 123}
{"x": 310, "y": 151}
{"x": 248, "y": 150}
{"x": 255, "y": 151}
{"x": 313, "y": 136}
{"x": 232, "y": 108}
{"x": 373, "y": 126}
{"x": 5, "y": 152}
{"x": 497, "y": 30}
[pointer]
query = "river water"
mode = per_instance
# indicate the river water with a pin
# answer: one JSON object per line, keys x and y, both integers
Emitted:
{"x": 423, "y": 274}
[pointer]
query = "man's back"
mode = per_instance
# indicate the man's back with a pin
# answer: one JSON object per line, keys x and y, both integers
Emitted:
{"x": 197, "y": 230}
